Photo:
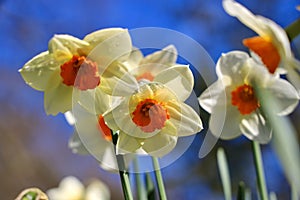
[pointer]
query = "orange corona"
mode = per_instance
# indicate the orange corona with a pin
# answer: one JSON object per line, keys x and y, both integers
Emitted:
{"x": 244, "y": 98}
{"x": 88, "y": 77}
{"x": 265, "y": 49}
{"x": 150, "y": 115}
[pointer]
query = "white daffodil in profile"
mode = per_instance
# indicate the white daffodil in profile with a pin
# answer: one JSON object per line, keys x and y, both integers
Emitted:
{"x": 233, "y": 98}
{"x": 272, "y": 46}
{"x": 151, "y": 119}
{"x": 70, "y": 188}
{"x": 73, "y": 63}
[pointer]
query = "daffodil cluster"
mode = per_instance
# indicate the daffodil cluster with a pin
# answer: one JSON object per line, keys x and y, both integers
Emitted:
{"x": 114, "y": 94}
{"x": 124, "y": 102}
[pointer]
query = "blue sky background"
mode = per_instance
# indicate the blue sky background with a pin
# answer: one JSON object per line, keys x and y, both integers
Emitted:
{"x": 33, "y": 146}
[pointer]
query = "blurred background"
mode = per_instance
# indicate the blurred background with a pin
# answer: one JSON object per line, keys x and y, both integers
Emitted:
{"x": 33, "y": 146}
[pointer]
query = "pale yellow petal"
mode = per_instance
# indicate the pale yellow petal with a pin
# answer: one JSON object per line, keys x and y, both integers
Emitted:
{"x": 166, "y": 56}
{"x": 37, "y": 71}
{"x": 127, "y": 143}
{"x": 99, "y": 36}
{"x": 160, "y": 144}
{"x": 63, "y": 47}
{"x": 57, "y": 96}
{"x": 184, "y": 117}
{"x": 115, "y": 47}
{"x": 179, "y": 79}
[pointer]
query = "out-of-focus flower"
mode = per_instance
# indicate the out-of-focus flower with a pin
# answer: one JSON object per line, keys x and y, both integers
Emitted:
{"x": 83, "y": 64}
{"x": 32, "y": 194}
{"x": 234, "y": 91}
{"x": 151, "y": 119}
{"x": 272, "y": 46}
{"x": 70, "y": 188}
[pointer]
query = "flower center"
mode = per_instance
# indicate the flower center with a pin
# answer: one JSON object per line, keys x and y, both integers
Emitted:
{"x": 88, "y": 77}
{"x": 104, "y": 129}
{"x": 266, "y": 51}
{"x": 244, "y": 98}
{"x": 150, "y": 115}
{"x": 146, "y": 75}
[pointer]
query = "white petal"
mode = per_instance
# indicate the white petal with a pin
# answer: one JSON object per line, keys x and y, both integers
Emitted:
{"x": 244, "y": 15}
{"x": 70, "y": 118}
{"x": 127, "y": 143}
{"x": 278, "y": 36}
{"x": 261, "y": 25}
{"x": 179, "y": 79}
{"x": 160, "y": 144}
{"x": 224, "y": 122}
{"x": 97, "y": 190}
{"x": 37, "y": 71}
{"x": 185, "y": 119}
{"x": 215, "y": 92}
{"x": 167, "y": 56}
{"x": 233, "y": 65}
{"x": 255, "y": 128}
{"x": 293, "y": 70}
{"x": 69, "y": 188}
{"x": 57, "y": 97}
{"x": 285, "y": 93}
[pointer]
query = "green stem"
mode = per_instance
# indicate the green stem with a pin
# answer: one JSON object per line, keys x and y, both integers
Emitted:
{"x": 124, "y": 179}
{"x": 293, "y": 30}
{"x": 159, "y": 179}
{"x": 123, "y": 173}
{"x": 262, "y": 187}
{"x": 141, "y": 191}
{"x": 294, "y": 193}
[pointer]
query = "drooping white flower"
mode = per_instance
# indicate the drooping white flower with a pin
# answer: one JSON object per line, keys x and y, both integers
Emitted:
{"x": 70, "y": 188}
{"x": 272, "y": 45}
{"x": 234, "y": 96}
{"x": 71, "y": 62}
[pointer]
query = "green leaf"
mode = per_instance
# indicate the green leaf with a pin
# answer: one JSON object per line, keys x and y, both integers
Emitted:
{"x": 284, "y": 140}
{"x": 224, "y": 173}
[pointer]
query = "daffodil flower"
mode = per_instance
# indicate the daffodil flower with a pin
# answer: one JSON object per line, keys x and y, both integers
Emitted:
{"x": 73, "y": 63}
{"x": 92, "y": 135}
{"x": 271, "y": 46}
{"x": 234, "y": 94}
{"x": 72, "y": 189}
{"x": 161, "y": 66}
{"x": 151, "y": 119}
